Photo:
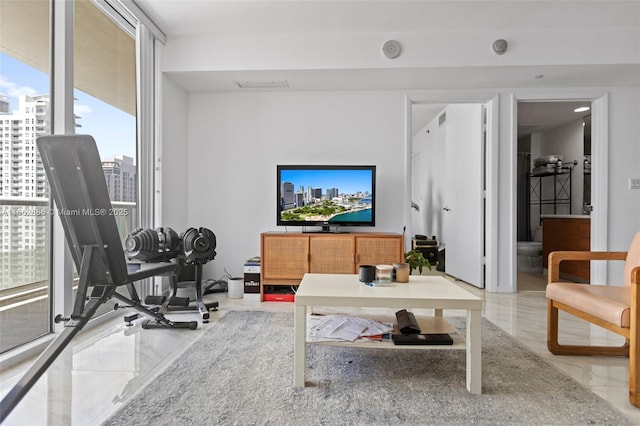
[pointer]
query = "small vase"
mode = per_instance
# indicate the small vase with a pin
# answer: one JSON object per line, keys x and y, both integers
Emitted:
{"x": 401, "y": 272}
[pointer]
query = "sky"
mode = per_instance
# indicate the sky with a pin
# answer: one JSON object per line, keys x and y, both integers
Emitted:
{"x": 347, "y": 181}
{"x": 114, "y": 130}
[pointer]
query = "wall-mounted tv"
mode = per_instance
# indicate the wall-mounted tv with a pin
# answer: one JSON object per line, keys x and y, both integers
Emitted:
{"x": 330, "y": 196}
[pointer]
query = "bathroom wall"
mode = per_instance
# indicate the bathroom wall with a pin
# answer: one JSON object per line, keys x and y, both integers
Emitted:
{"x": 568, "y": 141}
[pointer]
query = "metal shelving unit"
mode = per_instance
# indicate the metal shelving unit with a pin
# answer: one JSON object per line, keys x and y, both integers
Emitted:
{"x": 561, "y": 195}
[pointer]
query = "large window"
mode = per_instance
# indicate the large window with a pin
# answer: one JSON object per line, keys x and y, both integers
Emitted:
{"x": 105, "y": 103}
{"x": 104, "y": 107}
{"x": 24, "y": 199}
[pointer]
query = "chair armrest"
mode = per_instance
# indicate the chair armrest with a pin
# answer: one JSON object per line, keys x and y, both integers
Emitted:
{"x": 635, "y": 275}
{"x": 556, "y": 257}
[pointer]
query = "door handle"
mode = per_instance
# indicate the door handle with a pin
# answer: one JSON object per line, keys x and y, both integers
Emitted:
{"x": 446, "y": 209}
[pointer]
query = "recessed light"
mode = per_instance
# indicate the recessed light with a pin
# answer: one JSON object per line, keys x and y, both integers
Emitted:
{"x": 582, "y": 109}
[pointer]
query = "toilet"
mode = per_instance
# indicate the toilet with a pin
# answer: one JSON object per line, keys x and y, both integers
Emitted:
{"x": 530, "y": 254}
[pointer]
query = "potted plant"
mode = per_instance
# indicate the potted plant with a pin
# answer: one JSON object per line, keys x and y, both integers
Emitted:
{"x": 416, "y": 260}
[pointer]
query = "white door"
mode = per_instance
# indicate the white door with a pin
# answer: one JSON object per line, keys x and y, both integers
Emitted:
{"x": 417, "y": 203}
{"x": 463, "y": 206}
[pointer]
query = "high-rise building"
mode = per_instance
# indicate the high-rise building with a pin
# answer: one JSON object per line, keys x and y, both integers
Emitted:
{"x": 317, "y": 193}
{"x": 21, "y": 172}
{"x": 121, "y": 177}
{"x": 288, "y": 200}
{"x": 4, "y": 104}
{"x": 24, "y": 208}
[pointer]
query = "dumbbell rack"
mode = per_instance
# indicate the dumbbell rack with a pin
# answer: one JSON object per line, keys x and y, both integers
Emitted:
{"x": 175, "y": 303}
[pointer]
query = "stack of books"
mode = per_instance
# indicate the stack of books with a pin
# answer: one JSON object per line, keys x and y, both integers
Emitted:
{"x": 252, "y": 279}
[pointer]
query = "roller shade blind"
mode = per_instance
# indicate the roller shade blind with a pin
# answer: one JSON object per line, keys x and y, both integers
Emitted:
{"x": 103, "y": 68}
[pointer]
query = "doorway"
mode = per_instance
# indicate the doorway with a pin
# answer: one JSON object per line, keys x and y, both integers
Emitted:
{"x": 437, "y": 159}
{"x": 553, "y": 183}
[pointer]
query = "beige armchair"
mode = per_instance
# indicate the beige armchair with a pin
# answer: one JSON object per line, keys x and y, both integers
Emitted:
{"x": 614, "y": 308}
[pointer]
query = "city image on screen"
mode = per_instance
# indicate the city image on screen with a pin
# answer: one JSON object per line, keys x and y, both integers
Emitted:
{"x": 323, "y": 195}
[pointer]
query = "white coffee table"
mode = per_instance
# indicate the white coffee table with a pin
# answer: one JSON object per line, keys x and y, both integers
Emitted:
{"x": 423, "y": 291}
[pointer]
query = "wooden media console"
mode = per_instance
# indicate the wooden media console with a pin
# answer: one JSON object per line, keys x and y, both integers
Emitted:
{"x": 287, "y": 256}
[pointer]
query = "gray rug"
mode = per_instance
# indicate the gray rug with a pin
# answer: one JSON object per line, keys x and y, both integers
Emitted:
{"x": 241, "y": 372}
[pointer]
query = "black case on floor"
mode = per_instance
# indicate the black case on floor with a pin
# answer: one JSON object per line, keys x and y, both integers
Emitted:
{"x": 422, "y": 339}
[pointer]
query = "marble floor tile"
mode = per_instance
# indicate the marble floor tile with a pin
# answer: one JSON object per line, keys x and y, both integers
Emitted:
{"x": 105, "y": 366}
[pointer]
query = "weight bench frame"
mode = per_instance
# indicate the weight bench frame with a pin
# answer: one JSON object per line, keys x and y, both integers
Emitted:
{"x": 79, "y": 189}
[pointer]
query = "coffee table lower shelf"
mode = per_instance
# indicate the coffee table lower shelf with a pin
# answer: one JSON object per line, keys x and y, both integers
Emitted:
{"x": 435, "y": 324}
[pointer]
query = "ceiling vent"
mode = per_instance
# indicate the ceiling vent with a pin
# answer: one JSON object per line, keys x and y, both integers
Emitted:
{"x": 266, "y": 84}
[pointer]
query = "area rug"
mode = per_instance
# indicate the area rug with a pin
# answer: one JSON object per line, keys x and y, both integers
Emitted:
{"x": 241, "y": 372}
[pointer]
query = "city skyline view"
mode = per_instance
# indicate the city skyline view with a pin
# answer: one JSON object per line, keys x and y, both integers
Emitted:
{"x": 346, "y": 181}
{"x": 24, "y": 210}
{"x": 325, "y": 194}
{"x": 113, "y": 129}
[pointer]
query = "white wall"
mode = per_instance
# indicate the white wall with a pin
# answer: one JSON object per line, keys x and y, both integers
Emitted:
{"x": 175, "y": 202}
{"x": 561, "y": 41}
{"x": 568, "y": 141}
{"x": 237, "y": 139}
{"x": 624, "y": 163}
{"x": 230, "y": 131}
{"x": 429, "y": 145}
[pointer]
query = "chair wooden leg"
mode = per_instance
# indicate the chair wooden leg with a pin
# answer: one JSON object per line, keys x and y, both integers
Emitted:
{"x": 634, "y": 374}
{"x": 552, "y": 328}
{"x": 557, "y": 349}
{"x": 634, "y": 340}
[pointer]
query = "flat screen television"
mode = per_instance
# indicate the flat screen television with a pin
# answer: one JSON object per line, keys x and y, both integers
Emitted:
{"x": 330, "y": 196}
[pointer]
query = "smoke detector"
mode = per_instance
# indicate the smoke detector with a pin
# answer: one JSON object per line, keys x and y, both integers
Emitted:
{"x": 499, "y": 46}
{"x": 392, "y": 49}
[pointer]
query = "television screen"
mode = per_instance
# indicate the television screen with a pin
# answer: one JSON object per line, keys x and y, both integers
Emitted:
{"x": 313, "y": 195}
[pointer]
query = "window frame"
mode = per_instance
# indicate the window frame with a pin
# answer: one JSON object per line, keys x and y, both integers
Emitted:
{"x": 149, "y": 39}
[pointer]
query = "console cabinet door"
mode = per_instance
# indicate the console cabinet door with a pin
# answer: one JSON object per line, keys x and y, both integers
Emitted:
{"x": 379, "y": 250}
{"x": 567, "y": 234}
{"x": 285, "y": 257}
{"x": 331, "y": 254}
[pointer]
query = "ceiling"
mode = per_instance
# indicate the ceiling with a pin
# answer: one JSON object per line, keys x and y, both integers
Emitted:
{"x": 220, "y": 18}
{"x": 537, "y": 117}
{"x": 189, "y": 17}
{"x": 397, "y": 19}
{"x": 417, "y": 78}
